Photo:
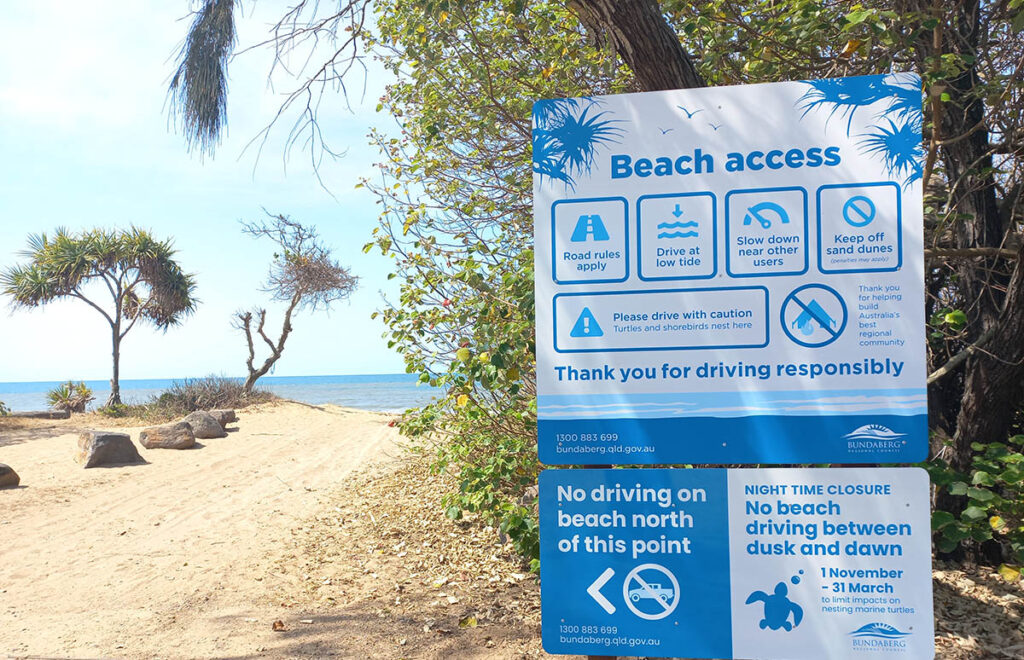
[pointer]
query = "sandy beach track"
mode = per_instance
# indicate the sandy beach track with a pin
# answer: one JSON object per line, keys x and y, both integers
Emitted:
{"x": 172, "y": 558}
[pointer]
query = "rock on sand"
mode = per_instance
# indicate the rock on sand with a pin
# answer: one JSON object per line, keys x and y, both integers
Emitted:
{"x": 204, "y": 425}
{"x": 168, "y": 436}
{"x": 8, "y": 477}
{"x": 224, "y": 417}
{"x": 101, "y": 448}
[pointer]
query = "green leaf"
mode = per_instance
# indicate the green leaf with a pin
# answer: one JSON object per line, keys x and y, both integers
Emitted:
{"x": 940, "y": 519}
{"x": 974, "y": 513}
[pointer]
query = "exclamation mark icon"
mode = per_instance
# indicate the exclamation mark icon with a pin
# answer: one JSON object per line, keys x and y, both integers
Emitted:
{"x": 586, "y": 325}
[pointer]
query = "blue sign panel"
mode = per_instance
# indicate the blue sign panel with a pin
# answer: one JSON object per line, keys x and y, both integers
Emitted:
{"x": 770, "y": 563}
{"x": 711, "y": 289}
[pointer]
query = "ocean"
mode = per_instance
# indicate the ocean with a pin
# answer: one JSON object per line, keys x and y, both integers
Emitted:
{"x": 380, "y": 392}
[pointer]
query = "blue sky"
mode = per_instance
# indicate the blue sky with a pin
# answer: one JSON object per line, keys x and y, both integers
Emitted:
{"x": 85, "y": 141}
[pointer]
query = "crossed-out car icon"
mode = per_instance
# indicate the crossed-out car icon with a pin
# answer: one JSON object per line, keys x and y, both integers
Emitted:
{"x": 652, "y": 591}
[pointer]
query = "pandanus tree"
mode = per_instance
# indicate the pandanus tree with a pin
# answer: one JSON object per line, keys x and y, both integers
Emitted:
{"x": 127, "y": 276}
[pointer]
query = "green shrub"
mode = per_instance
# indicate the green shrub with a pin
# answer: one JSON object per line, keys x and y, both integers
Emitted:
{"x": 994, "y": 492}
{"x": 4, "y": 410}
{"x": 70, "y": 396}
{"x": 117, "y": 410}
{"x": 191, "y": 394}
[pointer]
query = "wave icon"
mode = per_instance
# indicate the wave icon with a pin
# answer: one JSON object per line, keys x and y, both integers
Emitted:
{"x": 879, "y": 630}
{"x": 873, "y": 432}
{"x": 678, "y": 234}
{"x": 673, "y": 225}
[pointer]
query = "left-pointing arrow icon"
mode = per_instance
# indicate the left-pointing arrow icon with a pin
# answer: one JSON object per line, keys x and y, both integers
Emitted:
{"x": 595, "y": 591}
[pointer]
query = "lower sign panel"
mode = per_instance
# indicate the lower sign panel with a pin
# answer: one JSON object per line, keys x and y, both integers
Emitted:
{"x": 770, "y": 563}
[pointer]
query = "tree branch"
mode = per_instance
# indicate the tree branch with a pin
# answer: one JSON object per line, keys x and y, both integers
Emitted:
{"x": 969, "y": 253}
{"x": 960, "y": 357}
{"x": 76, "y": 294}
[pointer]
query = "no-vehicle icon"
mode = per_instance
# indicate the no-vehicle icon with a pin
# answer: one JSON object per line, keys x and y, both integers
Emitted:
{"x": 651, "y": 591}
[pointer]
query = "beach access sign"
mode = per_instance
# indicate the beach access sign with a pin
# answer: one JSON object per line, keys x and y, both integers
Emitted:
{"x": 731, "y": 274}
{"x": 715, "y": 563}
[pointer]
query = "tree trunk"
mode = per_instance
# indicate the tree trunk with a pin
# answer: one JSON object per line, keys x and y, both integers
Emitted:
{"x": 985, "y": 409}
{"x": 115, "y": 380}
{"x": 275, "y": 350}
{"x": 639, "y": 34}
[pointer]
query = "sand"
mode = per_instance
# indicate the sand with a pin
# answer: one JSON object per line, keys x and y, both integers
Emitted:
{"x": 172, "y": 558}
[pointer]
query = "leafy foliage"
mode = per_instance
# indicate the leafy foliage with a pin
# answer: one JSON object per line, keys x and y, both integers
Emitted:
{"x": 70, "y": 396}
{"x": 4, "y": 410}
{"x": 994, "y": 490}
{"x": 456, "y": 193}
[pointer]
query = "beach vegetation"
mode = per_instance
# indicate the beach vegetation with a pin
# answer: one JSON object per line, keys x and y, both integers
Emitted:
{"x": 4, "y": 410}
{"x": 70, "y": 396}
{"x": 126, "y": 275}
{"x": 189, "y": 395}
{"x": 303, "y": 275}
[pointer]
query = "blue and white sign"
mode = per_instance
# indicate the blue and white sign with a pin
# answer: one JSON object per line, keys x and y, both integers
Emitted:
{"x": 732, "y": 275}
{"x": 771, "y": 563}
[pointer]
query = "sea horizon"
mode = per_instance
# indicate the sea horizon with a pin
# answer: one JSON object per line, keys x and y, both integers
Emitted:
{"x": 377, "y": 392}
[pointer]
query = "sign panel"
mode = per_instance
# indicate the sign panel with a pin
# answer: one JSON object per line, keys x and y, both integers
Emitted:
{"x": 770, "y": 563}
{"x": 731, "y": 275}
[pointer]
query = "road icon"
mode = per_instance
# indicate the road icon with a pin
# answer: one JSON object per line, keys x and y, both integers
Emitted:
{"x": 586, "y": 325}
{"x": 651, "y": 591}
{"x": 814, "y": 315}
{"x": 859, "y": 211}
{"x": 594, "y": 590}
{"x": 589, "y": 227}
{"x": 763, "y": 213}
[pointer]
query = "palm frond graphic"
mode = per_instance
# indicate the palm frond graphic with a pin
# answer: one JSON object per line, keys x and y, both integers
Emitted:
{"x": 899, "y": 143}
{"x": 567, "y": 136}
{"x": 899, "y": 146}
{"x": 844, "y": 95}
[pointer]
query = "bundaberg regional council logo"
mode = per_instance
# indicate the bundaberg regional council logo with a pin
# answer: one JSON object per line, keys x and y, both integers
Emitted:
{"x": 875, "y": 438}
{"x": 878, "y": 636}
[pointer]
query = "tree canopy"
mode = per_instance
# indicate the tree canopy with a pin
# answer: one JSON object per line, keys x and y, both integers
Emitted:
{"x": 137, "y": 271}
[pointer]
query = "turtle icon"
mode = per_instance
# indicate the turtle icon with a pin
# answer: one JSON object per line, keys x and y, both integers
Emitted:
{"x": 777, "y": 608}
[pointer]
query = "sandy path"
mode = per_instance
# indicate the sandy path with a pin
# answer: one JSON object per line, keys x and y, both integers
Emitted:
{"x": 170, "y": 559}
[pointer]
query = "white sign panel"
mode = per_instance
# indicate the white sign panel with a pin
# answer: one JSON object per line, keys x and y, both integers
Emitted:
{"x": 770, "y": 563}
{"x": 732, "y": 275}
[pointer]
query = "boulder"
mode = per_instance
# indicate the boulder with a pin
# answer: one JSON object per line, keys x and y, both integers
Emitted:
{"x": 8, "y": 477}
{"x": 204, "y": 425}
{"x": 169, "y": 436}
{"x": 224, "y": 417}
{"x": 97, "y": 448}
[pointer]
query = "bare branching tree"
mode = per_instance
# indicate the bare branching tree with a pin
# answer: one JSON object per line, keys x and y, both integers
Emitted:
{"x": 304, "y": 275}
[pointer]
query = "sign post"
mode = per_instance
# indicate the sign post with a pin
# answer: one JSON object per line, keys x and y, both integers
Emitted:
{"x": 733, "y": 275}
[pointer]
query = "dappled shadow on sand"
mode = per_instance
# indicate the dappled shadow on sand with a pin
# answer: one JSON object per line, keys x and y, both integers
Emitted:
{"x": 14, "y": 432}
{"x": 363, "y": 631}
{"x": 978, "y": 614}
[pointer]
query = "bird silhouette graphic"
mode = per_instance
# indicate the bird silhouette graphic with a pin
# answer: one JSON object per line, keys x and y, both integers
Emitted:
{"x": 665, "y": 130}
{"x": 713, "y": 126}
{"x": 689, "y": 115}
